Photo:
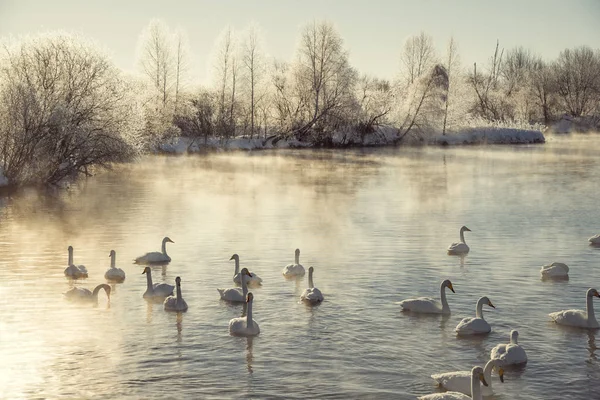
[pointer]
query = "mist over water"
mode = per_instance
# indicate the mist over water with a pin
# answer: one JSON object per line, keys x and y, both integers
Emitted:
{"x": 374, "y": 223}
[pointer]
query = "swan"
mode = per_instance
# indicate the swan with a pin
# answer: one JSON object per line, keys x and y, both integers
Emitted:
{"x": 511, "y": 353}
{"x": 427, "y": 305}
{"x": 176, "y": 303}
{"x": 245, "y": 326}
{"x": 157, "y": 290}
{"x": 113, "y": 273}
{"x": 461, "y": 247}
{"x": 312, "y": 294}
{"x": 555, "y": 270}
{"x": 155, "y": 256}
{"x": 75, "y": 271}
{"x": 460, "y": 381}
{"x": 477, "y": 325}
{"x": 236, "y": 295}
{"x": 595, "y": 240}
{"x": 294, "y": 270}
{"x": 81, "y": 294}
{"x": 254, "y": 279}
{"x": 476, "y": 377}
{"x": 579, "y": 318}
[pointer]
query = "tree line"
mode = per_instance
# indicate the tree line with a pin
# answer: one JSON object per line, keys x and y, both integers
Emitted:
{"x": 65, "y": 108}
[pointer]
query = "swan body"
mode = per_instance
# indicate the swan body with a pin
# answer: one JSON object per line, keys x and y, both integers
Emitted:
{"x": 176, "y": 303}
{"x": 75, "y": 271}
{"x": 156, "y": 291}
{"x": 460, "y": 247}
{"x": 156, "y": 257}
{"x": 114, "y": 274}
{"x": 245, "y": 326}
{"x": 427, "y": 305}
{"x": 295, "y": 270}
{"x": 477, "y": 325}
{"x": 237, "y": 295}
{"x": 253, "y": 280}
{"x": 511, "y": 353}
{"x": 84, "y": 295}
{"x": 555, "y": 270}
{"x": 311, "y": 295}
{"x": 460, "y": 381}
{"x": 476, "y": 375}
{"x": 579, "y": 318}
{"x": 595, "y": 240}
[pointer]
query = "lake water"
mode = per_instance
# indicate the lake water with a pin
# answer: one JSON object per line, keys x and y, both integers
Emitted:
{"x": 375, "y": 224}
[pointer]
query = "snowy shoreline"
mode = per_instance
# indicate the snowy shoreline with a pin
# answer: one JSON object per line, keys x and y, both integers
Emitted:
{"x": 382, "y": 137}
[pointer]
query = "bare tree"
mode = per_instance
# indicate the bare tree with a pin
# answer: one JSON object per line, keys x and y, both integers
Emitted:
{"x": 226, "y": 68}
{"x": 375, "y": 99}
{"x": 452, "y": 66}
{"x": 489, "y": 105}
{"x": 515, "y": 69}
{"x": 254, "y": 72}
{"x": 418, "y": 56}
{"x": 181, "y": 64}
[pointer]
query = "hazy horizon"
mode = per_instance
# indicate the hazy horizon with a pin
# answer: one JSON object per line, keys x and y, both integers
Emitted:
{"x": 373, "y": 32}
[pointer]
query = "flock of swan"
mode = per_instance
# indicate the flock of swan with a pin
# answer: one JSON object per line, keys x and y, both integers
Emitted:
{"x": 460, "y": 384}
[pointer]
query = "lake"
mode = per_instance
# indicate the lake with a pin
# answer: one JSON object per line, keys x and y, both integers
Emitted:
{"x": 374, "y": 223}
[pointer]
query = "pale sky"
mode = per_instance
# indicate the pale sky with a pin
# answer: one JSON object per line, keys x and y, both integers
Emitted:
{"x": 373, "y": 30}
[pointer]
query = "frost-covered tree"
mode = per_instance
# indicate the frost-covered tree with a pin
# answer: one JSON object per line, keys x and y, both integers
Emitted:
{"x": 64, "y": 108}
{"x": 418, "y": 56}
{"x": 452, "y": 65}
{"x": 375, "y": 100}
{"x": 254, "y": 71}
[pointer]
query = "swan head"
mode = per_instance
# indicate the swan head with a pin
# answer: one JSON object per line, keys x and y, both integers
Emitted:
{"x": 448, "y": 284}
{"x": 514, "y": 336}
{"x": 246, "y": 272}
{"x": 235, "y": 257}
{"x": 487, "y": 301}
{"x": 167, "y": 239}
{"x": 477, "y": 373}
{"x": 112, "y": 253}
{"x": 178, "y": 281}
{"x": 146, "y": 270}
{"x": 311, "y": 269}
{"x": 297, "y": 252}
{"x": 249, "y": 297}
{"x": 465, "y": 229}
{"x": 70, "y": 249}
{"x": 592, "y": 293}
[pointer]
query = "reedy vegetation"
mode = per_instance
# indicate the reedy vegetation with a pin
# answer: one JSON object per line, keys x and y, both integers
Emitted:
{"x": 65, "y": 108}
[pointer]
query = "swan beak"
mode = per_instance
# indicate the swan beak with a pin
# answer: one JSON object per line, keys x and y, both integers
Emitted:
{"x": 249, "y": 274}
{"x": 144, "y": 271}
{"x": 482, "y": 379}
{"x": 170, "y": 241}
{"x": 501, "y": 374}
{"x": 491, "y": 305}
{"x": 451, "y": 288}
{"x": 231, "y": 258}
{"x": 597, "y": 294}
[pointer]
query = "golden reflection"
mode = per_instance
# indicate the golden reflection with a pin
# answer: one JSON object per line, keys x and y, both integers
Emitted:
{"x": 592, "y": 344}
{"x": 149, "y": 313}
{"x": 179, "y": 324}
{"x": 249, "y": 353}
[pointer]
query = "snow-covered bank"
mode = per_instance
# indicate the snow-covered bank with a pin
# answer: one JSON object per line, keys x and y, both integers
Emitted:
{"x": 383, "y": 136}
{"x": 490, "y": 135}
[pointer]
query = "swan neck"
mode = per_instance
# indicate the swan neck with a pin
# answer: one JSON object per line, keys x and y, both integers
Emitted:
{"x": 591, "y": 317}
{"x": 237, "y": 265}
{"x": 70, "y": 262}
{"x": 487, "y": 373}
{"x": 445, "y": 305}
{"x": 310, "y": 279}
{"x": 179, "y": 297}
{"x": 244, "y": 285}
{"x": 112, "y": 260}
{"x": 149, "y": 279}
{"x": 462, "y": 236}
{"x": 164, "y": 247}
{"x": 479, "y": 309}
{"x": 96, "y": 290}
{"x": 249, "y": 315}
{"x": 476, "y": 388}
{"x": 297, "y": 258}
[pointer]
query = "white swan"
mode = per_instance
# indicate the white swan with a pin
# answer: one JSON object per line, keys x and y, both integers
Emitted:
{"x": 311, "y": 295}
{"x": 476, "y": 377}
{"x": 555, "y": 270}
{"x": 81, "y": 294}
{"x": 236, "y": 295}
{"x": 75, "y": 271}
{"x": 156, "y": 257}
{"x": 245, "y": 326}
{"x": 461, "y": 247}
{"x": 427, "y": 305}
{"x": 254, "y": 279}
{"x": 460, "y": 381}
{"x": 595, "y": 240}
{"x": 579, "y": 318}
{"x": 176, "y": 303}
{"x": 477, "y": 325}
{"x": 511, "y": 353}
{"x": 114, "y": 274}
{"x": 157, "y": 291}
{"x": 294, "y": 270}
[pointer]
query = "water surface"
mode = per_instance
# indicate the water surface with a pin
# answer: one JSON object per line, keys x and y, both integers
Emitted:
{"x": 375, "y": 225}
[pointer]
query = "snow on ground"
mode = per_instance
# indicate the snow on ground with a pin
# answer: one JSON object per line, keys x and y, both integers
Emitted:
{"x": 492, "y": 135}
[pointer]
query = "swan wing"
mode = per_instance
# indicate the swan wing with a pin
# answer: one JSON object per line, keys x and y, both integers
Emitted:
{"x": 422, "y": 305}
{"x": 171, "y": 304}
{"x": 595, "y": 239}
{"x": 251, "y": 280}
{"x": 498, "y": 352}
{"x": 472, "y": 326}
{"x": 457, "y": 381}
{"x": 152, "y": 257}
{"x": 446, "y": 396}
{"x": 570, "y": 317}
{"x": 515, "y": 354}
{"x": 232, "y": 294}
{"x": 293, "y": 270}
{"x": 458, "y": 248}
{"x": 162, "y": 290}
{"x": 115, "y": 274}
{"x": 78, "y": 294}
{"x": 312, "y": 295}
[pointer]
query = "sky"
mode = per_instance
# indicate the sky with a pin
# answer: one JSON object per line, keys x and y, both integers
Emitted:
{"x": 373, "y": 30}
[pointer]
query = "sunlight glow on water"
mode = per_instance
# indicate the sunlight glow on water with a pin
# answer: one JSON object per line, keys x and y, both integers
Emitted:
{"x": 375, "y": 225}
